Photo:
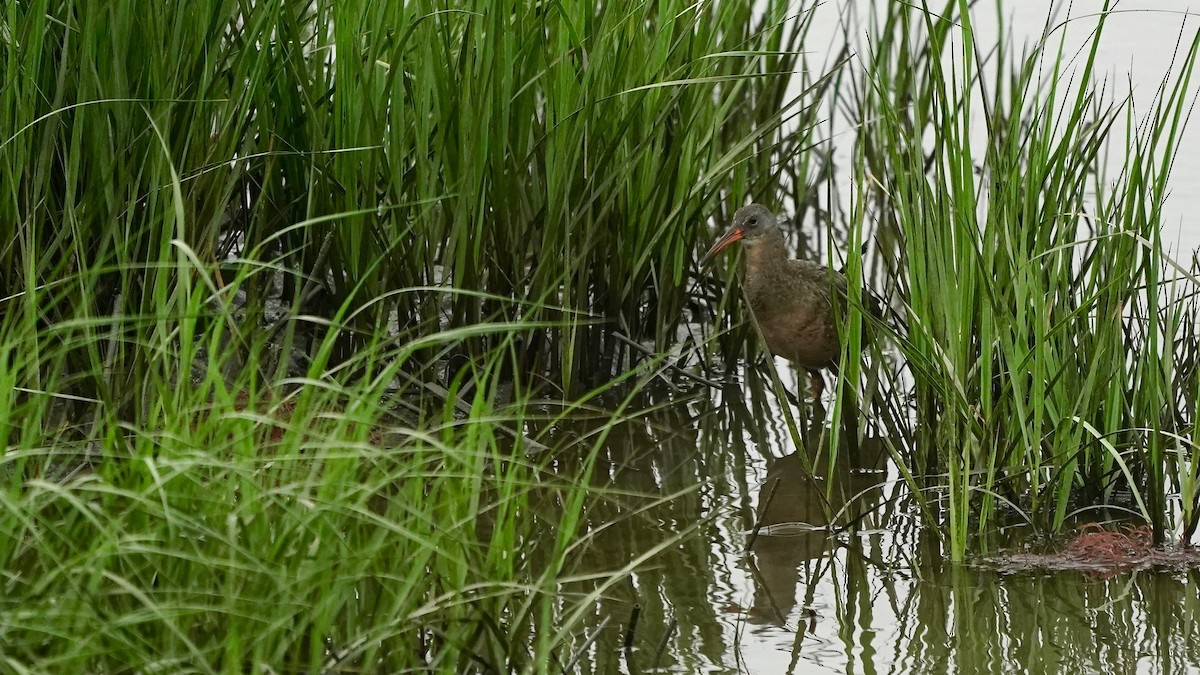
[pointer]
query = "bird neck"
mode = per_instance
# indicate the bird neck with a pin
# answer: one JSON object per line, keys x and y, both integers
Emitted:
{"x": 765, "y": 255}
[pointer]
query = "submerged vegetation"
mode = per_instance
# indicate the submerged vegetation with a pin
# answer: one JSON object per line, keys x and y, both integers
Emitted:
{"x": 320, "y": 321}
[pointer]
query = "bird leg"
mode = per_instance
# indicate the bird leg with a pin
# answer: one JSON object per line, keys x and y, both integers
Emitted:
{"x": 849, "y": 412}
{"x": 818, "y": 385}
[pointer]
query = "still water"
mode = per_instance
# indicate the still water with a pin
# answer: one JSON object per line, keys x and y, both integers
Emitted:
{"x": 879, "y": 597}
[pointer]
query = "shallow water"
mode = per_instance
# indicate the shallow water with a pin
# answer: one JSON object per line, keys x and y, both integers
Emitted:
{"x": 879, "y": 598}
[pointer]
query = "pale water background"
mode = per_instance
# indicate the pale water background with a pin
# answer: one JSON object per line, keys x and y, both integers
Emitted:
{"x": 1135, "y": 53}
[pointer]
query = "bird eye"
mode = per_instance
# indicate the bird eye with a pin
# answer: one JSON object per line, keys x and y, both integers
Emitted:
{"x": 752, "y": 222}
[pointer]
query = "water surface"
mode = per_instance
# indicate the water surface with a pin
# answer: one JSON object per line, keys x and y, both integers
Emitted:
{"x": 878, "y": 597}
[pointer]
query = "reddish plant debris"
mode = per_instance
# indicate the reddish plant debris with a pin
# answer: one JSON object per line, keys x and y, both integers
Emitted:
{"x": 1103, "y": 553}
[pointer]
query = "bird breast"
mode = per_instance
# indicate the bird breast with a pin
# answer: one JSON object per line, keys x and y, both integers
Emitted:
{"x": 792, "y": 304}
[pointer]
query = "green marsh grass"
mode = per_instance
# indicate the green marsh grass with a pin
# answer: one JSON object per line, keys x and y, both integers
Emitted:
{"x": 311, "y": 314}
{"x": 295, "y": 298}
{"x": 1046, "y": 325}
{"x": 1036, "y": 359}
{"x": 317, "y": 524}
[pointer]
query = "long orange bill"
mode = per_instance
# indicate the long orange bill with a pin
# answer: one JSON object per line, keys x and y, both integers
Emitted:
{"x": 731, "y": 235}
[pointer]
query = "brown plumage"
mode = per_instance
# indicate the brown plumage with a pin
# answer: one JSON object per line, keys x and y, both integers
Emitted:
{"x": 792, "y": 300}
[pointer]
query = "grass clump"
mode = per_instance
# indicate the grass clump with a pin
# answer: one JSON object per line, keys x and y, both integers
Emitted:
{"x": 562, "y": 156}
{"x": 333, "y": 522}
{"x": 295, "y": 297}
{"x": 1046, "y": 325}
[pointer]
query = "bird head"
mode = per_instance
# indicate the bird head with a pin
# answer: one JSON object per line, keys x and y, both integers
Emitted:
{"x": 750, "y": 224}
